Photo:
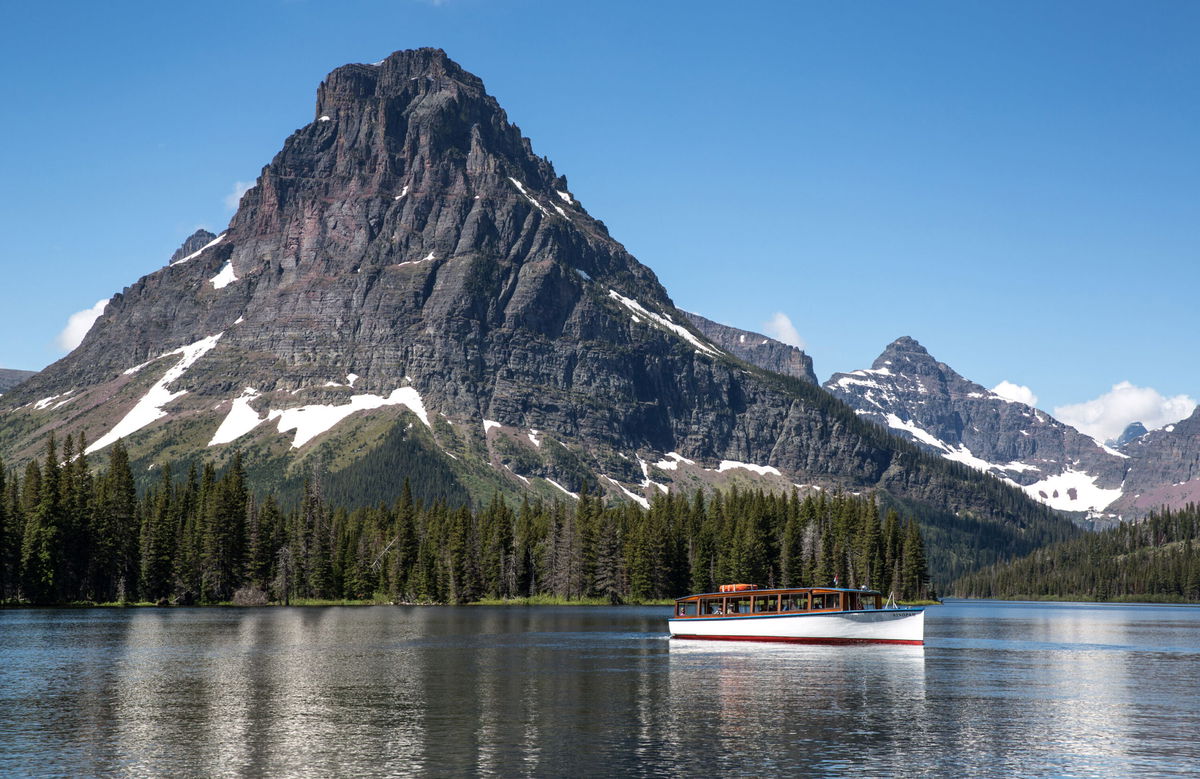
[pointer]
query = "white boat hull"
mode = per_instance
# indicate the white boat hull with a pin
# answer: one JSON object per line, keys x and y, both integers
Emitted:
{"x": 882, "y": 626}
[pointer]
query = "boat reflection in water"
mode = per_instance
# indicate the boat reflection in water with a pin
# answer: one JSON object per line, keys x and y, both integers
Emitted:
{"x": 734, "y": 693}
{"x": 810, "y": 615}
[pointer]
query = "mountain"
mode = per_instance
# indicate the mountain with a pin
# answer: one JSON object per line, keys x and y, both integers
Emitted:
{"x": 1132, "y": 430}
{"x": 1164, "y": 468}
{"x": 912, "y": 394}
{"x": 10, "y": 378}
{"x": 409, "y": 291}
{"x": 756, "y": 348}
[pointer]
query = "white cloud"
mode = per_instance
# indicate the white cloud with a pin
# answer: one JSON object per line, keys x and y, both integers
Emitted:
{"x": 235, "y": 197}
{"x": 78, "y": 325}
{"x": 1018, "y": 392}
{"x": 1106, "y": 416}
{"x": 780, "y": 327}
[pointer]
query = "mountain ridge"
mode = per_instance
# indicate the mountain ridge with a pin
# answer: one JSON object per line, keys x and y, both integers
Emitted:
{"x": 910, "y": 392}
{"x": 408, "y": 279}
{"x": 923, "y": 400}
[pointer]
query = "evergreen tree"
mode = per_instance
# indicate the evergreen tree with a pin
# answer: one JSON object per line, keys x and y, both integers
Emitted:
{"x": 8, "y": 557}
{"x": 915, "y": 576}
{"x": 607, "y": 573}
{"x": 405, "y": 544}
{"x": 41, "y": 548}
{"x": 113, "y": 567}
{"x": 225, "y": 533}
{"x": 318, "y": 563}
{"x": 869, "y": 550}
{"x": 528, "y": 542}
{"x": 158, "y": 540}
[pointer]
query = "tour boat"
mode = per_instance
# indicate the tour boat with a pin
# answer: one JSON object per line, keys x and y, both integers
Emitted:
{"x": 808, "y": 615}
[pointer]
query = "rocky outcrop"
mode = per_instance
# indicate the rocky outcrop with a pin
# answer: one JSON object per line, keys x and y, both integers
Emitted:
{"x": 756, "y": 348}
{"x": 407, "y": 255}
{"x": 1164, "y": 467}
{"x": 913, "y": 395}
{"x": 193, "y": 244}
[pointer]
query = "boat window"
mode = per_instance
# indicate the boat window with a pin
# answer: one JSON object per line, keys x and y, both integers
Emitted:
{"x": 765, "y": 603}
{"x": 797, "y": 602}
{"x": 853, "y": 601}
{"x": 825, "y": 600}
{"x": 712, "y": 606}
{"x": 686, "y": 609}
{"x": 737, "y": 605}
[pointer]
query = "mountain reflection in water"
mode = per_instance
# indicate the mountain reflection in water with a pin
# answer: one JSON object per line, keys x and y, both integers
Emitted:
{"x": 999, "y": 689}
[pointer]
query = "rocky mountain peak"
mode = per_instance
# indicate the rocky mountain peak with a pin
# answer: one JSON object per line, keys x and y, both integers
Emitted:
{"x": 391, "y": 119}
{"x": 392, "y": 76}
{"x": 908, "y": 391}
{"x": 1132, "y": 430}
{"x": 905, "y": 351}
{"x": 194, "y": 243}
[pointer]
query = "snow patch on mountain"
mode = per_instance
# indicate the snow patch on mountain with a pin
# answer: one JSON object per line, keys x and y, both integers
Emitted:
{"x": 564, "y": 489}
{"x": 313, "y": 420}
{"x": 240, "y": 420}
{"x": 665, "y": 322}
{"x": 150, "y": 407}
{"x": 521, "y": 188}
{"x": 201, "y": 250}
{"x": 1072, "y": 490}
{"x": 639, "y": 499}
{"x": 672, "y": 464}
{"x": 44, "y": 403}
{"x": 761, "y": 470}
{"x": 646, "y": 480}
{"x": 224, "y": 277}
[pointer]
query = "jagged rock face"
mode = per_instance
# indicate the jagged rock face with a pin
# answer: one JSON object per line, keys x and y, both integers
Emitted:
{"x": 756, "y": 348}
{"x": 10, "y": 378}
{"x": 406, "y": 249}
{"x": 194, "y": 243}
{"x": 1164, "y": 467}
{"x": 926, "y": 401}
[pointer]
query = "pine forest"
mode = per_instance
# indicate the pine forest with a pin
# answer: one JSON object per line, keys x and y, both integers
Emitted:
{"x": 72, "y": 535}
{"x": 1157, "y": 559}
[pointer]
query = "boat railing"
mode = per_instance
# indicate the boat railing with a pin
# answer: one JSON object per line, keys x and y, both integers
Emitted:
{"x": 891, "y": 601}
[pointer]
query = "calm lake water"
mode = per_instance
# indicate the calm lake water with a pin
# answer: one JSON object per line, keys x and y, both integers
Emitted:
{"x": 999, "y": 689}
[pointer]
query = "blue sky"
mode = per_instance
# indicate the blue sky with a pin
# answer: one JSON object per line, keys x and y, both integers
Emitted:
{"x": 1016, "y": 185}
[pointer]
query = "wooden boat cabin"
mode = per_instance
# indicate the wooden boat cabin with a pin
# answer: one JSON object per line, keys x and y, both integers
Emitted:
{"x": 747, "y": 599}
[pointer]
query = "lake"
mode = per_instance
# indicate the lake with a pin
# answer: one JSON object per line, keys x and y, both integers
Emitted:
{"x": 999, "y": 689}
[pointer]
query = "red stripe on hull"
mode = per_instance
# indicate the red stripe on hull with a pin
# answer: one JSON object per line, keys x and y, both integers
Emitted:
{"x": 795, "y": 640}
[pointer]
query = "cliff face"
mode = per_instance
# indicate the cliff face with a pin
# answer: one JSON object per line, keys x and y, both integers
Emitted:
{"x": 756, "y": 348}
{"x": 407, "y": 276}
{"x": 912, "y": 394}
{"x": 1164, "y": 467}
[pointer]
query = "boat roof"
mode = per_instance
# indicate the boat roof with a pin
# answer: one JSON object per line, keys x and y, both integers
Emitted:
{"x": 778, "y": 590}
